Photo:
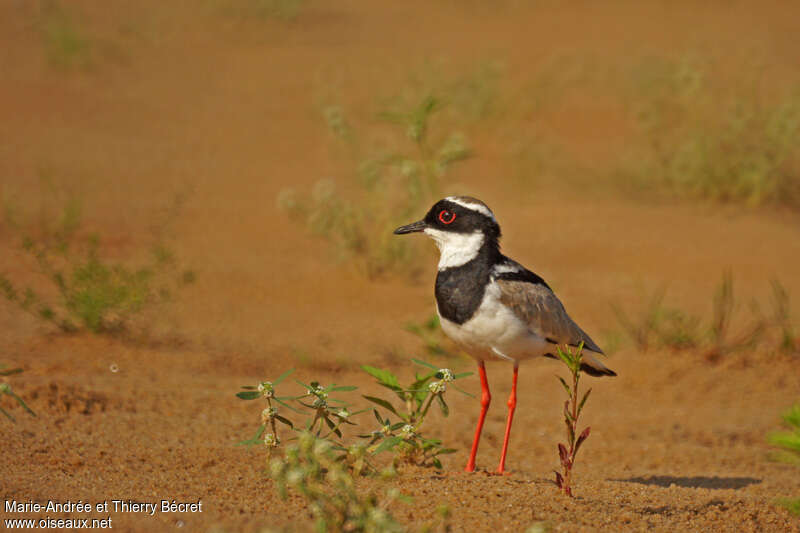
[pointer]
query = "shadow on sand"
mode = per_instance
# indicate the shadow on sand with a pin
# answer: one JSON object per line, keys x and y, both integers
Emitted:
{"x": 695, "y": 482}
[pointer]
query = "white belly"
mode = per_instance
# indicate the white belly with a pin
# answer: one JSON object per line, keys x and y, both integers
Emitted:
{"x": 495, "y": 331}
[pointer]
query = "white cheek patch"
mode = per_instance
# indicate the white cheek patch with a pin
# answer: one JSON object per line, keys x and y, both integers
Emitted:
{"x": 456, "y": 249}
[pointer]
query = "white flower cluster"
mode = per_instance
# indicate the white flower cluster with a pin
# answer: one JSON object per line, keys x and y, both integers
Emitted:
{"x": 268, "y": 414}
{"x": 270, "y": 441}
{"x": 407, "y": 431}
{"x": 321, "y": 400}
{"x": 437, "y": 387}
{"x": 266, "y": 389}
{"x": 447, "y": 375}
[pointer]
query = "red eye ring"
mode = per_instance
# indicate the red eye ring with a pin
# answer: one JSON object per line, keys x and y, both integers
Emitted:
{"x": 446, "y": 217}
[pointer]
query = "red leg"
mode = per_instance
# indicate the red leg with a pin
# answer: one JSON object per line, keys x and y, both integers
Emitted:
{"x": 512, "y": 404}
{"x": 486, "y": 399}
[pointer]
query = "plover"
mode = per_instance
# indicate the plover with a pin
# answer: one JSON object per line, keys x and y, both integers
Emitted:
{"x": 493, "y": 306}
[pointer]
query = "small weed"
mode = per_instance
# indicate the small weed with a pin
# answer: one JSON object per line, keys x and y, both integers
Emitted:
{"x": 731, "y": 144}
{"x": 269, "y": 416}
{"x": 673, "y": 328}
{"x": 781, "y": 316}
{"x": 5, "y": 390}
{"x": 401, "y": 158}
{"x": 311, "y": 468}
{"x": 390, "y": 184}
{"x": 572, "y": 410}
{"x": 789, "y": 444}
{"x": 322, "y": 467}
{"x": 431, "y": 335}
{"x": 724, "y": 307}
{"x": 65, "y": 39}
{"x": 404, "y": 435}
{"x": 90, "y": 291}
{"x": 659, "y": 325}
{"x": 788, "y": 441}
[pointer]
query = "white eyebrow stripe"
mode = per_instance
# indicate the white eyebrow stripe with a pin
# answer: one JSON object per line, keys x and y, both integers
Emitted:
{"x": 475, "y": 207}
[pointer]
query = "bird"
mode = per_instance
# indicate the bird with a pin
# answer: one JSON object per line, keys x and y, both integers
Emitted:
{"x": 491, "y": 305}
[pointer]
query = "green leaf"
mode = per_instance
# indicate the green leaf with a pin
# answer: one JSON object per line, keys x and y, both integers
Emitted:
{"x": 396, "y": 426}
{"x": 282, "y": 376}
{"x": 383, "y": 403}
{"x": 426, "y": 364}
{"x": 445, "y": 451}
{"x": 387, "y": 444}
{"x": 255, "y": 439}
{"x": 462, "y": 375}
{"x": 308, "y": 387}
{"x": 443, "y": 405}
{"x": 566, "y": 357}
{"x": 248, "y": 395}
{"x": 249, "y": 387}
{"x": 384, "y": 377}
{"x": 419, "y": 384}
{"x": 332, "y": 426}
{"x": 437, "y": 463}
{"x": 378, "y": 417}
{"x": 22, "y": 403}
{"x": 7, "y": 414}
{"x": 343, "y": 388}
{"x": 286, "y": 405}
{"x": 10, "y": 371}
{"x": 462, "y": 391}
{"x": 283, "y": 420}
{"x": 566, "y": 387}
{"x": 583, "y": 401}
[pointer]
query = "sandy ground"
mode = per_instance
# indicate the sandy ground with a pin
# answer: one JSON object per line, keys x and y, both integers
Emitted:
{"x": 180, "y": 98}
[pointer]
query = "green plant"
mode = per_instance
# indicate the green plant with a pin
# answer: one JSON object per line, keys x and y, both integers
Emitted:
{"x": 400, "y": 163}
{"x": 86, "y": 289}
{"x": 269, "y": 416}
{"x": 404, "y": 434}
{"x": 723, "y": 311}
{"x": 65, "y": 39}
{"x": 731, "y": 142}
{"x": 789, "y": 444}
{"x": 430, "y": 333}
{"x": 782, "y": 318}
{"x": 572, "y": 410}
{"x": 674, "y": 328}
{"x": 658, "y": 324}
{"x": 312, "y": 469}
{"x": 5, "y": 390}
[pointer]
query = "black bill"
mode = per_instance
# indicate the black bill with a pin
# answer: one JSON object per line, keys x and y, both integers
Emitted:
{"x": 411, "y": 228}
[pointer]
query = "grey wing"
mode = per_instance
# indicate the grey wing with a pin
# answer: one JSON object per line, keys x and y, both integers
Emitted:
{"x": 536, "y": 305}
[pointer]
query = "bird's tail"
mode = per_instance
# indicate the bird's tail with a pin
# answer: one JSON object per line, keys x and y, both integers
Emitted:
{"x": 594, "y": 367}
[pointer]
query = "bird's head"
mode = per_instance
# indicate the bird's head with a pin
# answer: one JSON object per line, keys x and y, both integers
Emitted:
{"x": 461, "y": 226}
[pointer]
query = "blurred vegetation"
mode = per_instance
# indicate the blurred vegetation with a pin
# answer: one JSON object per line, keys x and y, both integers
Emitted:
{"x": 323, "y": 464}
{"x": 730, "y": 142}
{"x": 87, "y": 290}
{"x": 66, "y": 40}
{"x": 402, "y": 160}
{"x": 789, "y": 444}
{"x": 433, "y": 339}
{"x": 655, "y": 324}
{"x": 261, "y": 9}
{"x": 6, "y": 390}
